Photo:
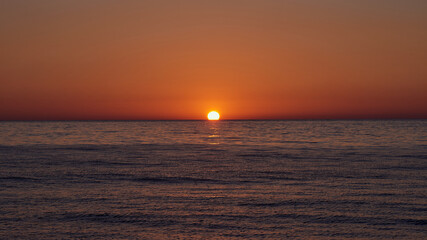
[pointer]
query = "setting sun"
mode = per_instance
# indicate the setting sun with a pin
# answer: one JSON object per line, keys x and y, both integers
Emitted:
{"x": 213, "y": 115}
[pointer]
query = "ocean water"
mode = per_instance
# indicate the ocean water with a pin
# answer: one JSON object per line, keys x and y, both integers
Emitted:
{"x": 213, "y": 180}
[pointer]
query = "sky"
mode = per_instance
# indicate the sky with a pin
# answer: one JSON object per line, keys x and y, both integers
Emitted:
{"x": 247, "y": 59}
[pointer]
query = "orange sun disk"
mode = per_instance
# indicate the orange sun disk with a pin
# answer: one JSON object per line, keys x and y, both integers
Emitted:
{"x": 213, "y": 115}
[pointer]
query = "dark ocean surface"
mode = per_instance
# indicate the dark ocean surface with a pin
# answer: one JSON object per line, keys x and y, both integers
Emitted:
{"x": 213, "y": 180}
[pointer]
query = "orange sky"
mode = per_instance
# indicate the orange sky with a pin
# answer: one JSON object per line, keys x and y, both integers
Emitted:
{"x": 247, "y": 59}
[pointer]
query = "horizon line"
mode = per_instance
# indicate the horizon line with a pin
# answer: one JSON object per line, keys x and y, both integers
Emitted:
{"x": 248, "y": 119}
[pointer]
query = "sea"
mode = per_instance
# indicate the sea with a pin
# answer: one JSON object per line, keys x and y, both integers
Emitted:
{"x": 325, "y": 179}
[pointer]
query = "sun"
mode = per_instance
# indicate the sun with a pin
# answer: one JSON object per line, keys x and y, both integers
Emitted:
{"x": 213, "y": 115}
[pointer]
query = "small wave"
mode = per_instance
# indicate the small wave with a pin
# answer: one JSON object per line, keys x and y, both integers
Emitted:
{"x": 304, "y": 202}
{"x": 176, "y": 180}
{"x": 345, "y": 219}
{"x": 414, "y": 156}
{"x": 146, "y": 219}
{"x": 19, "y": 178}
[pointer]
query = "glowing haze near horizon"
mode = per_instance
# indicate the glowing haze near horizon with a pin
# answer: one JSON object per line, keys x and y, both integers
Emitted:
{"x": 181, "y": 59}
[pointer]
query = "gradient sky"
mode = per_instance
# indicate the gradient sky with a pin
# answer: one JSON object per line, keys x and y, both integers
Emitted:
{"x": 247, "y": 59}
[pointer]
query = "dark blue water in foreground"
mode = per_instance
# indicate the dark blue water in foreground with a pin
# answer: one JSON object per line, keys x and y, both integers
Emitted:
{"x": 226, "y": 179}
